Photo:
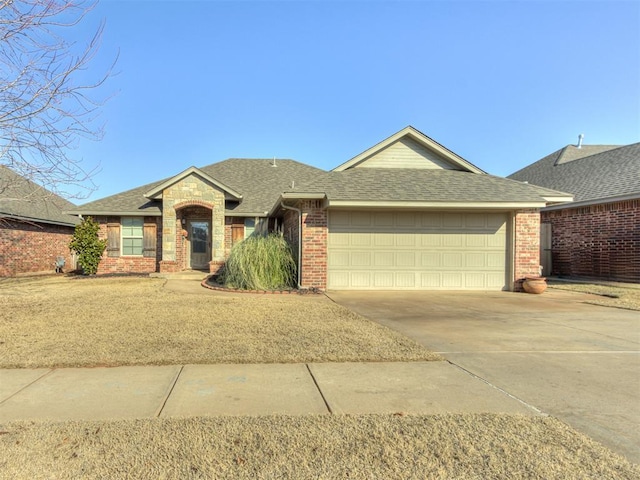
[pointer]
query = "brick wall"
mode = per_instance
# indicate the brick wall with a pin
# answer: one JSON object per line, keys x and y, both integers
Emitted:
{"x": 526, "y": 249}
{"x": 601, "y": 241}
{"x": 314, "y": 245}
{"x": 130, "y": 264}
{"x": 33, "y": 247}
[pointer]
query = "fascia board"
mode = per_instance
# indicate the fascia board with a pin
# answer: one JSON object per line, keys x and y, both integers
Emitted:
{"x": 597, "y": 201}
{"x": 302, "y": 196}
{"x": 432, "y": 205}
{"x": 135, "y": 213}
{"x": 156, "y": 192}
{"x": 36, "y": 220}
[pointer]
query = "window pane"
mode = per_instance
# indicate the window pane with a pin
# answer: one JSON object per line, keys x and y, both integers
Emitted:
{"x": 132, "y": 246}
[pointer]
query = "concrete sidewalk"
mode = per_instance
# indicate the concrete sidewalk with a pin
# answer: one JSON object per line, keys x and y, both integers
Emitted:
{"x": 259, "y": 389}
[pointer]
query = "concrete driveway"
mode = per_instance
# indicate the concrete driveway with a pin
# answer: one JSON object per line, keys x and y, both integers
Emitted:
{"x": 575, "y": 361}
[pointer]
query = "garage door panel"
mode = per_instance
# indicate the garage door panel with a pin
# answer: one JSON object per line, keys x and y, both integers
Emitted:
{"x": 406, "y": 280}
{"x": 475, "y": 260}
{"x": 452, "y": 240}
{"x": 430, "y": 280}
{"x": 360, "y": 239}
{"x": 430, "y": 260}
{"x": 384, "y": 240}
{"x": 383, "y": 280}
{"x": 476, "y": 241}
{"x": 417, "y": 250}
{"x": 383, "y": 259}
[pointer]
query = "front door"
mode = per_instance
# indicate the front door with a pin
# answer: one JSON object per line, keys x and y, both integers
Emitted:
{"x": 200, "y": 251}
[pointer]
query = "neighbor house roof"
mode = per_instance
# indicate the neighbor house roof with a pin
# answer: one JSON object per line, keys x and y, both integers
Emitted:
{"x": 592, "y": 173}
{"x": 23, "y": 199}
{"x": 419, "y": 187}
{"x": 259, "y": 183}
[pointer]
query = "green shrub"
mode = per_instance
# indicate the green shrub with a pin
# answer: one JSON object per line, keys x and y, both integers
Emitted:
{"x": 260, "y": 263}
{"x": 87, "y": 245}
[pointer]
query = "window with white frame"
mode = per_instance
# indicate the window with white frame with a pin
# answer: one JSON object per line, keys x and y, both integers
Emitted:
{"x": 132, "y": 235}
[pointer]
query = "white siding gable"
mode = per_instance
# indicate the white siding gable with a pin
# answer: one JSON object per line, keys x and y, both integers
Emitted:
{"x": 406, "y": 153}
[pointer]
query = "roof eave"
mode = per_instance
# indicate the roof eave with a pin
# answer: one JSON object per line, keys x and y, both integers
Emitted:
{"x": 115, "y": 213}
{"x": 595, "y": 201}
{"x": 36, "y": 220}
{"x": 434, "y": 205}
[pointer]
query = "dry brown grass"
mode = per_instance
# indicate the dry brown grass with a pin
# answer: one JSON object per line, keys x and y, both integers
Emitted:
{"x": 607, "y": 296}
{"x": 479, "y": 446}
{"x": 71, "y": 322}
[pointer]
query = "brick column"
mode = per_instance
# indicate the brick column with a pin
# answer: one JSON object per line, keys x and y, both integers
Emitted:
{"x": 314, "y": 245}
{"x": 526, "y": 251}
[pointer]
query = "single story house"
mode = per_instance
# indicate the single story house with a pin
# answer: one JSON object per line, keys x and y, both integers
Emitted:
{"x": 34, "y": 231}
{"x": 598, "y": 234}
{"x": 405, "y": 214}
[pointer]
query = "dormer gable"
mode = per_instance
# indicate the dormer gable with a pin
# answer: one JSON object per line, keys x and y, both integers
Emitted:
{"x": 409, "y": 148}
{"x": 156, "y": 192}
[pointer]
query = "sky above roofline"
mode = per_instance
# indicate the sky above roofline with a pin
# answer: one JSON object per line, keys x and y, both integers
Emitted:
{"x": 500, "y": 83}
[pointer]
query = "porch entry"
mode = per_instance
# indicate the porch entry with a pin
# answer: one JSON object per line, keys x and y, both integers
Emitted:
{"x": 200, "y": 244}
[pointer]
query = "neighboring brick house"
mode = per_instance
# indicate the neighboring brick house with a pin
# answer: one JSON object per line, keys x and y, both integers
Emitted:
{"x": 598, "y": 234}
{"x": 405, "y": 214}
{"x": 34, "y": 231}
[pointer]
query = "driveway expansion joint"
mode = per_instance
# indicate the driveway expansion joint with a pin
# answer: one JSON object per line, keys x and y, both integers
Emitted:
{"x": 526, "y": 404}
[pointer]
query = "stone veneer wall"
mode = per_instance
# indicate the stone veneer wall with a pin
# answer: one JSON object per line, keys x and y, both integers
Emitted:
{"x": 526, "y": 258}
{"x": 191, "y": 191}
{"x": 601, "y": 241}
{"x": 33, "y": 247}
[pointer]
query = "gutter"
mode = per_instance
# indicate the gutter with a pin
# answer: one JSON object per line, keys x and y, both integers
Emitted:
{"x": 286, "y": 207}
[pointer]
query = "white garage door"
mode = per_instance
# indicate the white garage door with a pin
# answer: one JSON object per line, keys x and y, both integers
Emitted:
{"x": 417, "y": 250}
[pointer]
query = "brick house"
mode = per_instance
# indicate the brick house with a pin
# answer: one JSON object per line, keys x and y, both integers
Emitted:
{"x": 34, "y": 231}
{"x": 598, "y": 234}
{"x": 405, "y": 214}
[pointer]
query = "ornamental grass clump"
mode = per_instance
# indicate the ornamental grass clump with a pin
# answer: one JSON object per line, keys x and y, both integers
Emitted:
{"x": 260, "y": 263}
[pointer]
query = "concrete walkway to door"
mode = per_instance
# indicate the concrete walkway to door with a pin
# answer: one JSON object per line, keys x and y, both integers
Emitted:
{"x": 575, "y": 361}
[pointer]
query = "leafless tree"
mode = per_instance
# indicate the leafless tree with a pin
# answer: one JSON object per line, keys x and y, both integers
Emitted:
{"x": 46, "y": 104}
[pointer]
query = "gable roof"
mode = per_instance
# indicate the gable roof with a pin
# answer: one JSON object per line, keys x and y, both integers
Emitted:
{"x": 592, "y": 173}
{"x": 22, "y": 199}
{"x": 412, "y": 134}
{"x": 156, "y": 192}
{"x": 256, "y": 183}
{"x": 423, "y": 188}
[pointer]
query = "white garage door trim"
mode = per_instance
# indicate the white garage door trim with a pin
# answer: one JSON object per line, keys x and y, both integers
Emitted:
{"x": 388, "y": 250}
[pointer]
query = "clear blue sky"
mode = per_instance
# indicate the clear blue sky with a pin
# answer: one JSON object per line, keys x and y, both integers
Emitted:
{"x": 500, "y": 83}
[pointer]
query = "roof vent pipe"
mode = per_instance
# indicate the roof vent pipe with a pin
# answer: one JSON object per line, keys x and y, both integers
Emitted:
{"x": 274, "y": 162}
{"x": 580, "y": 138}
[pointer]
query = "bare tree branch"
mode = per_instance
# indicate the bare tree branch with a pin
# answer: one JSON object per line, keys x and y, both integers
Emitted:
{"x": 45, "y": 107}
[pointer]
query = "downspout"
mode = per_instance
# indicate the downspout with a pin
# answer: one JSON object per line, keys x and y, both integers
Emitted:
{"x": 286, "y": 207}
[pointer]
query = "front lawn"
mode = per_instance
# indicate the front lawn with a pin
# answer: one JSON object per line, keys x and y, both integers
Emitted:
{"x": 93, "y": 321}
{"x": 469, "y": 446}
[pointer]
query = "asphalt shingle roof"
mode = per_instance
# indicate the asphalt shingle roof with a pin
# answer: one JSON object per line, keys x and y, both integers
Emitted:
{"x": 22, "y": 198}
{"x": 589, "y": 173}
{"x": 257, "y": 180}
{"x": 421, "y": 185}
